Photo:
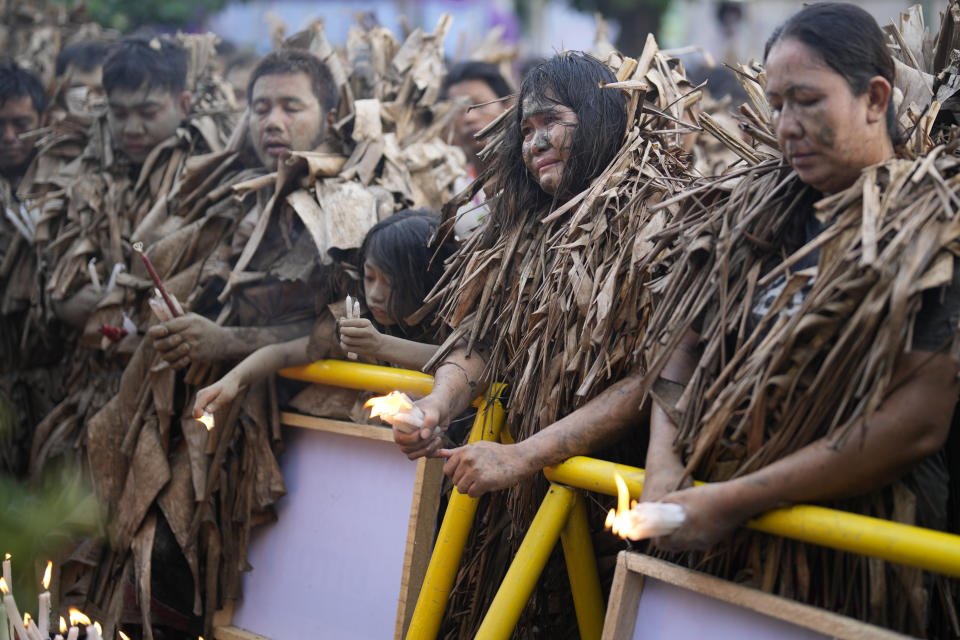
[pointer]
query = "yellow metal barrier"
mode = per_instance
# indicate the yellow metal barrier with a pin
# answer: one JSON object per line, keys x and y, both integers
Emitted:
{"x": 365, "y": 377}
{"x": 452, "y": 538}
{"x": 562, "y": 515}
{"x": 924, "y": 548}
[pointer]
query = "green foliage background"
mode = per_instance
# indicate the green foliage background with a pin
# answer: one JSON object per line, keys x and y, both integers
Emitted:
{"x": 126, "y": 15}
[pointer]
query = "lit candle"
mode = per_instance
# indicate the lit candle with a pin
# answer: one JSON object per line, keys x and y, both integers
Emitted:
{"x": 63, "y": 629}
{"x": 123, "y": 636}
{"x": 138, "y": 247}
{"x": 638, "y": 521}
{"x": 397, "y": 409}
{"x": 77, "y": 617}
{"x": 7, "y": 573}
{"x": 31, "y": 627}
{"x": 93, "y": 631}
{"x": 206, "y": 420}
{"x": 43, "y": 615}
{"x": 8, "y": 576}
{"x": 4, "y": 625}
{"x": 13, "y": 615}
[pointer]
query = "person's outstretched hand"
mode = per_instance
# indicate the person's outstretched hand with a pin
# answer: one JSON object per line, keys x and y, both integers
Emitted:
{"x": 485, "y": 466}
{"x": 187, "y": 339}
{"x": 428, "y": 440}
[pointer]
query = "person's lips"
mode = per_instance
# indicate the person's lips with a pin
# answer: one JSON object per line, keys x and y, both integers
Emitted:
{"x": 543, "y": 164}
{"x": 135, "y": 148}
{"x": 378, "y": 312}
{"x": 798, "y": 159}
{"x": 275, "y": 147}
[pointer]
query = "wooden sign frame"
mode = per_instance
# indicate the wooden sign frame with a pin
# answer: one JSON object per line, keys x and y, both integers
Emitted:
{"x": 633, "y": 569}
{"x": 420, "y": 528}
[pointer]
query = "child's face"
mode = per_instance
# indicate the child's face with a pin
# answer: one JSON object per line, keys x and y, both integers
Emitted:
{"x": 377, "y": 289}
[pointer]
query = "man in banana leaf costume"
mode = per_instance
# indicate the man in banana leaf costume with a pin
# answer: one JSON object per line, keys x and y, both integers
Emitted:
{"x": 100, "y": 183}
{"x": 259, "y": 251}
{"x": 22, "y": 105}
{"x": 805, "y": 345}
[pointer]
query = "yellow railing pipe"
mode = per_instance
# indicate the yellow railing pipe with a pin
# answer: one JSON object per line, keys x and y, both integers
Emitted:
{"x": 365, "y": 377}
{"x": 522, "y": 576}
{"x": 892, "y": 541}
{"x": 582, "y": 572}
{"x": 452, "y": 538}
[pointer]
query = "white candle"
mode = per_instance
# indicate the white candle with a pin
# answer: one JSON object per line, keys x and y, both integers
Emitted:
{"x": 8, "y": 577}
{"x": 7, "y": 573}
{"x": 14, "y": 616}
{"x": 4, "y": 625}
{"x": 92, "y": 633}
{"x": 33, "y": 632}
{"x": 351, "y": 307}
{"x": 43, "y": 615}
{"x": 73, "y": 633}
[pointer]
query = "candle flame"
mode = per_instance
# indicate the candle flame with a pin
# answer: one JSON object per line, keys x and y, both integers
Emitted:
{"x": 3, "y": 586}
{"x": 7, "y": 556}
{"x": 388, "y": 405}
{"x": 63, "y": 625}
{"x": 26, "y": 618}
{"x": 206, "y": 420}
{"x": 618, "y": 520}
{"x": 77, "y": 617}
{"x": 96, "y": 625}
{"x": 123, "y": 636}
{"x": 46, "y": 575}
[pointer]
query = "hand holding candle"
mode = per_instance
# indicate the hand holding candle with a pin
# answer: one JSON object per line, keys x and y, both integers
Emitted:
{"x": 638, "y": 521}
{"x": 397, "y": 409}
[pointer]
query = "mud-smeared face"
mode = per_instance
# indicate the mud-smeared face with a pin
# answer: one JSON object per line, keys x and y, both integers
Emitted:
{"x": 377, "y": 291}
{"x": 17, "y": 116}
{"x": 547, "y": 130}
{"x": 826, "y": 132}
{"x": 471, "y": 121}
{"x": 285, "y": 116}
{"x": 143, "y": 118}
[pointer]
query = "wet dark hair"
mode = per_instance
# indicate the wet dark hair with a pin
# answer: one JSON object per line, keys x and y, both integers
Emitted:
{"x": 399, "y": 247}
{"x": 17, "y": 82}
{"x": 849, "y": 41}
{"x": 476, "y": 70}
{"x": 85, "y": 56}
{"x": 148, "y": 63}
{"x": 571, "y": 79}
{"x": 298, "y": 61}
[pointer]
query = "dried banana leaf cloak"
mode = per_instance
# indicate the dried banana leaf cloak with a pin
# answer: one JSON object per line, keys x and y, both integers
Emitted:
{"x": 559, "y": 302}
{"x": 758, "y": 395}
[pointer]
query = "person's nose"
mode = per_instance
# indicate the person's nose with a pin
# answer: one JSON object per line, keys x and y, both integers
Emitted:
{"x": 133, "y": 126}
{"x": 788, "y": 126}
{"x": 9, "y": 134}
{"x": 275, "y": 120}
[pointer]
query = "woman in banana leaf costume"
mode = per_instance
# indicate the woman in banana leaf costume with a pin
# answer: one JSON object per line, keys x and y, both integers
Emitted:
{"x": 804, "y": 349}
{"x": 547, "y": 297}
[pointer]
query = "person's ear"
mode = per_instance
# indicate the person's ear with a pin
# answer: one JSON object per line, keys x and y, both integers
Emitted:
{"x": 879, "y": 93}
{"x": 183, "y": 103}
